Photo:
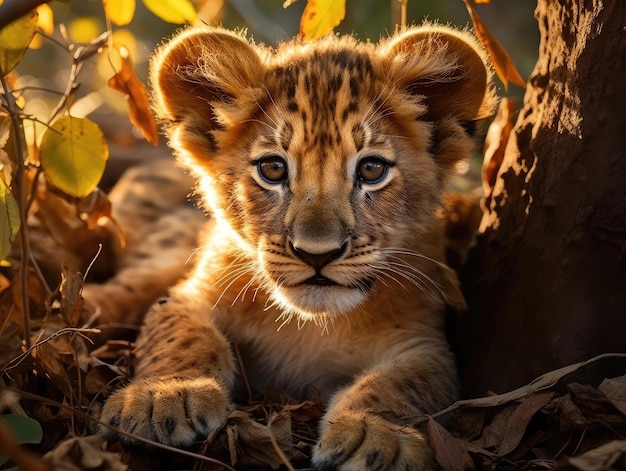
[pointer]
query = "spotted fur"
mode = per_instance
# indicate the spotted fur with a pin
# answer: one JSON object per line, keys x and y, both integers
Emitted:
{"x": 323, "y": 166}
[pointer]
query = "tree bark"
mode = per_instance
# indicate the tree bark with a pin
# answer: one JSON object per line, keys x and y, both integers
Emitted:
{"x": 546, "y": 281}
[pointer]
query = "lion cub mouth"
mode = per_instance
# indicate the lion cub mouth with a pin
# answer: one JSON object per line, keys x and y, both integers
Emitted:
{"x": 319, "y": 280}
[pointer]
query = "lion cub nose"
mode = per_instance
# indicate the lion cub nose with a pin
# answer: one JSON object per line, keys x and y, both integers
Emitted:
{"x": 318, "y": 260}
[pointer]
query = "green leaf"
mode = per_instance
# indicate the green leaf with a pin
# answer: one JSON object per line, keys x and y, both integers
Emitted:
{"x": 172, "y": 11}
{"x": 73, "y": 155}
{"x": 9, "y": 219}
{"x": 14, "y": 40}
{"x": 24, "y": 429}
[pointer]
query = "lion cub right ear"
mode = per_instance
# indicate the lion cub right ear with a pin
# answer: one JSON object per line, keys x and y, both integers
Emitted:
{"x": 205, "y": 78}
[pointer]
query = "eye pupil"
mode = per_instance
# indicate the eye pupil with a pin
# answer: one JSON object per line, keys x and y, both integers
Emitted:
{"x": 273, "y": 169}
{"x": 372, "y": 169}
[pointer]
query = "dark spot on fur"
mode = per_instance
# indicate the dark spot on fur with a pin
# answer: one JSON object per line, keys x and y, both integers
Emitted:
{"x": 168, "y": 242}
{"x": 162, "y": 301}
{"x": 202, "y": 419}
{"x": 170, "y": 425}
{"x": 374, "y": 399}
{"x": 371, "y": 458}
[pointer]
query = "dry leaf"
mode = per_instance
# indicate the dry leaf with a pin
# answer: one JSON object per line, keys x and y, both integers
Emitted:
{"x": 449, "y": 452}
{"x": 615, "y": 391}
{"x": 611, "y": 455}
{"x": 507, "y": 428}
{"x": 83, "y": 454}
{"x": 126, "y": 81}
{"x": 571, "y": 418}
{"x": 252, "y": 440}
{"x": 71, "y": 300}
{"x": 496, "y": 141}
{"x": 501, "y": 61}
{"x": 320, "y": 17}
{"x": 519, "y": 420}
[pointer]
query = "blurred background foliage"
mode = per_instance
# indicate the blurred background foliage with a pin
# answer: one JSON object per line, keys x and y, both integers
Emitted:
{"x": 511, "y": 22}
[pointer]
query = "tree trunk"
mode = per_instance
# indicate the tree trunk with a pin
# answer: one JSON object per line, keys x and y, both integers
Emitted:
{"x": 546, "y": 281}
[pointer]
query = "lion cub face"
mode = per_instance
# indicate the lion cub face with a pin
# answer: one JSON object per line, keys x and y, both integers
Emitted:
{"x": 326, "y": 159}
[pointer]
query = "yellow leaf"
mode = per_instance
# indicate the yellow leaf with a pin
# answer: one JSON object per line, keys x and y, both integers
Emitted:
{"x": 127, "y": 82}
{"x": 120, "y": 12}
{"x": 73, "y": 154}
{"x": 46, "y": 18}
{"x": 9, "y": 219}
{"x": 320, "y": 17}
{"x": 84, "y": 29}
{"x": 14, "y": 40}
{"x": 501, "y": 61}
{"x": 172, "y": 11}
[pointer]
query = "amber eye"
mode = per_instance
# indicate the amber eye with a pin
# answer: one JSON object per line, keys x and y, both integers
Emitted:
{"x": 372, "y": 169}
{"x": 272, "y": 168}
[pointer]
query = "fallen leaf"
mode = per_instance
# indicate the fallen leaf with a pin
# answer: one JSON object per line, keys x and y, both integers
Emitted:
{"x": 571, "y": 418}
{"x": 615, "y": 391}
{"x": 501, "y": 61}
{"x": 519, "y": 420}
{"x": 589, "y": 400}
{"x": 83, "y": 454}
{"x": 126, "y": 81}
{"x": 543, "y": 382}
{"x": 449, "y": 452}
{"x": 320, "y": 17}
{"x": 611, "y": 455}
{"x": 71, "y": 300}
{"x": 251, "y": 441}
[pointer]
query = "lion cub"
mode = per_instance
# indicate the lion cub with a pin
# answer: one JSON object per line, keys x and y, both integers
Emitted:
{"x": 322, "y": 165}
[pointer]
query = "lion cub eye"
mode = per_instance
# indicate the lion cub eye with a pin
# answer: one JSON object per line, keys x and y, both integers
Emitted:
{"x": 272, "y": 169}
{"x": 372, "y": 169}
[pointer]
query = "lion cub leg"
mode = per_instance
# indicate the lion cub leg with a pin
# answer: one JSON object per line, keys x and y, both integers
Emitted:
{"x": 184, "y": 372}
{"x": 367, "y": 425}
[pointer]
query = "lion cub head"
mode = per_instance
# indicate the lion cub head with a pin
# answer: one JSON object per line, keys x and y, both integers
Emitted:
{"x": 326, "y": 158}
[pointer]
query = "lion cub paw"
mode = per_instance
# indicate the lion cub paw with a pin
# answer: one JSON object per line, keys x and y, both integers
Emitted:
{"x": 171, "y": 411}
{"x": 353, "y": 441}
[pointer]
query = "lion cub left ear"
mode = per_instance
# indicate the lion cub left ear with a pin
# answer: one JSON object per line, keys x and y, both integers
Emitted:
{"x": 444, "y": 66}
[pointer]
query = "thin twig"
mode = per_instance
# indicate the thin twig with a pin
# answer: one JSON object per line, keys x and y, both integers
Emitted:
{"x": 22, "y": 197}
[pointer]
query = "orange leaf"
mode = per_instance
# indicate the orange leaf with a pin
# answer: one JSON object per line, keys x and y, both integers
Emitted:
{"x": 320, "y": 17}
{"x": 501, "y": 61}
{"x": 125, "y": 81}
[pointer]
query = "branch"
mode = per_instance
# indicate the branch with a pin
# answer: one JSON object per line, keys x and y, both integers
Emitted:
{"x": 11, "y": 10}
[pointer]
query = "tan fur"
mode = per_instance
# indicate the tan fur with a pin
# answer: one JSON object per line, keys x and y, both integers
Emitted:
{"x": 326, "y": 278}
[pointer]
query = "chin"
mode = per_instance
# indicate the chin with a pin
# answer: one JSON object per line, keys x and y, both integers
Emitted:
{"x": 317, "y": 303}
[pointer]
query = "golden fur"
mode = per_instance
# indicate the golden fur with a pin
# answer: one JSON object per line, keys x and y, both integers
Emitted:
{"x": 323, "y": 166}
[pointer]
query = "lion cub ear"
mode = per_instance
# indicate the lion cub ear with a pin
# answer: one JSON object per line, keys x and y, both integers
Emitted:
{"x": 204, "y": 77}
{"x": 445, "y": 66}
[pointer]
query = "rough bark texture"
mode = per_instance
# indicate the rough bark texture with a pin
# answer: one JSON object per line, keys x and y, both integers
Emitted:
{"x": 546, "y": 283}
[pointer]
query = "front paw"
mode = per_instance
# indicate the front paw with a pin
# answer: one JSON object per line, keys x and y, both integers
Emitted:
{"x": 353, "y": 441}
{"x": 171, "y": 411}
